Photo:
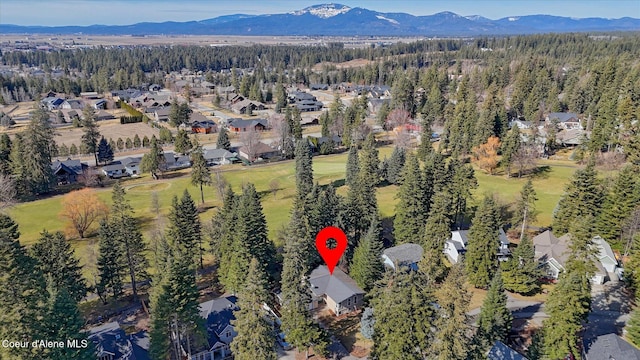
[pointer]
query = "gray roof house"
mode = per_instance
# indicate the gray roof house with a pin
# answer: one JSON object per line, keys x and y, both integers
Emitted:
{"x": 339, "y": 292}
{"x": 565, "y": 120}
{"x": 551, "y": 252}
{"x": 260, "y": 151}
{"x": 500, "y": 351}
{"x": 68, "y": 171}
{"x": 115, "y": 171}
{"x": 218, "y": 157}
{"x": 240, "y": 125}
{"x": 72, "y": 104}
{"x": 111, "y": 342}
{"x": 609, "y": 346}
{"x": 161, "y": 115}
{"x": 218, "y": 314}
{"x": 408, "y": 255}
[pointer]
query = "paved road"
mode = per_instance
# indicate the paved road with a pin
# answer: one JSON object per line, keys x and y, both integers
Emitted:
{"x": 609, "y": 310}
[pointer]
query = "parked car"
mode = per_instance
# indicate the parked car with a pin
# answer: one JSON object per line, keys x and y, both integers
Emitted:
{"x": 281, "y": 341}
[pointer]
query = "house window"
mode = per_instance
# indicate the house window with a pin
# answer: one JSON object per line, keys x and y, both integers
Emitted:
{"x": 228, "y": 334}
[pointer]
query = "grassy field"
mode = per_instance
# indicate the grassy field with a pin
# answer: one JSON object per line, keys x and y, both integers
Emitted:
{"x": 35, "y": 216}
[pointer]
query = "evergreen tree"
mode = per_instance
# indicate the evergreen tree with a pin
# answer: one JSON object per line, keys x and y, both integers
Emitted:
{"x": 353, "y": 167}
{"x": 366, "y": 267}
{"x": 63, "y": 321}
{"x": 200, "y": 174}
{"x": 251, "y": 230}
{"x": 36, "y": 173}
{"x": 403, "y": 316}
{"x": 521, "y": 273}
{"x": 494, "y": 321}
{"x": 453, "y": 297}
{"x": 185, "y": 229}
{"x": 126, "y": 232}
{"x": 105, "y": 152}
{"x": 618, "y": 204}
{"x": 256, "y": 334}
{"x": 145, "y": 142}
{"x": 91, "y": 135}
{"x": 480, "y": 259}
{"x": 109, "y": 263}
{"x": 436, "y": 232}
{"x": 5, "y": 154}
{"x": 411, "y": 209}
{"x": 395, "y": 165}
{"x": 369, "y": 163}
{"x": 182, "y": 144}
{"x": 509, "y": 148}
{"x": 297, "y": 323}
{"x": 367, "y": 323}
{"x": 567, "y": 306}
{"x": 304, "y": 171}
{"x": 633, "y": 327}
{"x": 136, "y": 141}
{"x": 153, "y": 160}
{"x": 56, "y": 260}
{"x": 525, "y": 210}
{"x": 463, "y": 180}
{"x": 582, "y": 197}
{"x": 223, "y": 140}
{"x": 22, "y": 287}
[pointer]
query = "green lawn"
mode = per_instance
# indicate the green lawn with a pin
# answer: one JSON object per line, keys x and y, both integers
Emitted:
{"x": 35, "y": 216}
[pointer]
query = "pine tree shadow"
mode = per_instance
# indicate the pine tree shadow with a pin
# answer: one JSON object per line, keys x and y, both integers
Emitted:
{"x": 541, "y": 172}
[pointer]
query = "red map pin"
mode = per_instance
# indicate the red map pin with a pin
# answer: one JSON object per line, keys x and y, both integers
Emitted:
{"x": 331, "y": 256}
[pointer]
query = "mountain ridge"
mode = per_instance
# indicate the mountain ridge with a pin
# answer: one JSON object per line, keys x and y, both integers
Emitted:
{"x": 333, "y": 19}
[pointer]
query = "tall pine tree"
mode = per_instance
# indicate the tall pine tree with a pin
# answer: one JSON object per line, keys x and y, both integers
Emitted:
{"x": 256, "y": 335}
{"x": 480, "y": 260}
{"x": 353, "y": 167}
{"x": 621, "y": 200}
{"x": 57, "y": 260}
{"x": 90, "y": 133}
{"x": 583, "y": 197}
{"x": 200, "y": 174}
{"x": 494, "y": 321}
{"x": 185, "y": 229}
{"x": 411, "y": 209}
{"x": 366, "y": 267}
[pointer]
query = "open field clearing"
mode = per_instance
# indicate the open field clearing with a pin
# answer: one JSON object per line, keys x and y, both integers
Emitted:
{"x": 35, "y": 216}
{"x": 110, "y": 129}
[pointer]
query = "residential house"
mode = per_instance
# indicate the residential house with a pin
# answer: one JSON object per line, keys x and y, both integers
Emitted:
{"x": 111, "y": 343}
{"x": 175, "y": 162}
{"x": 339, "y": 292}
{"x": 242, "y": 107}
{"x": 99, "y": 104}
{"x": 71, "y": 114}
{"x": 240, "y": 125}
{"x": 608, "y": 263}
{"x": 115, "y": 171}
{"x": 225, "y": 90}
{"x": 609, "y": 346}
{"x": 316, "y": 142}
{"x": 218, "y": 314}
{"x": 72, "y": 104}
{"x": 521, "y": 124}
{"x": 161, "y": 115}
{"x": 500, "y": 351}
{"x": 304, "y": 101}
{"x": 405, "y": 255}
{"x": 68, "y": 171}
{"x": 260, "y": 151}
{"x": 455, "y": 247}
{"x": 90, "y": 95}
{"x": 52, "y": 103}
{"x": 318, "y": 87}
{"x": 551, "y": 252}
{"x": 131, "y": 165}
{"x": 103, "y": 115}
{"x": 571, "y": 137}
{"x": 566, "y": 121}
{"x": 236, "y": 99}
{"x": 219, "y": 157}
{"x": 374, "y": 105}
{"x": 204, "y": 127}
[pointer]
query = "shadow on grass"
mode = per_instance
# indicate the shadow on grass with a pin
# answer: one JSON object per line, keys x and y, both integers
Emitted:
{"x": 541, "y": 172}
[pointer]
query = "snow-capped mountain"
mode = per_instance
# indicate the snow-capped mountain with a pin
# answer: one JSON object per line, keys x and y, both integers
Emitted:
{"x": 341, "y": 20}
{"x": 324, "y": 11}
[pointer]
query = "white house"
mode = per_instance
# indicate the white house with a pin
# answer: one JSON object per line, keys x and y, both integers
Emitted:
{"x": 455, "y": 247}
{"x": 607, "y": 261}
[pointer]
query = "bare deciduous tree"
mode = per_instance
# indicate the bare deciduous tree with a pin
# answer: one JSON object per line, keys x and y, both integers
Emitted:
{"x": 219, "y": 182}
{"x": 7, "y": 192}
{"x": 274, "y": 186}
{"x": 250, "y": 139}
{"x": 397, "y": 117}
{"x": 403, "y": 139}
{"x": 525, "y": 159}
{"x": 280, "y": 129}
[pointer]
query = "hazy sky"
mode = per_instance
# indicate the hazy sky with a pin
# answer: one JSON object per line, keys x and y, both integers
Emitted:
{"x": 121, "y": 12}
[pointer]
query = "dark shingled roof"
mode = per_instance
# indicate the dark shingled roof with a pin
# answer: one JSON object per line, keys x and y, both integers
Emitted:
{"x": 338, "y": 286}
{"x": 218, "y": 314}
{"x": 610, "y": 346}
{"x": 500, "y": 351}
{"x": 404, "y": 254}
{"x": 110, "y": 338}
